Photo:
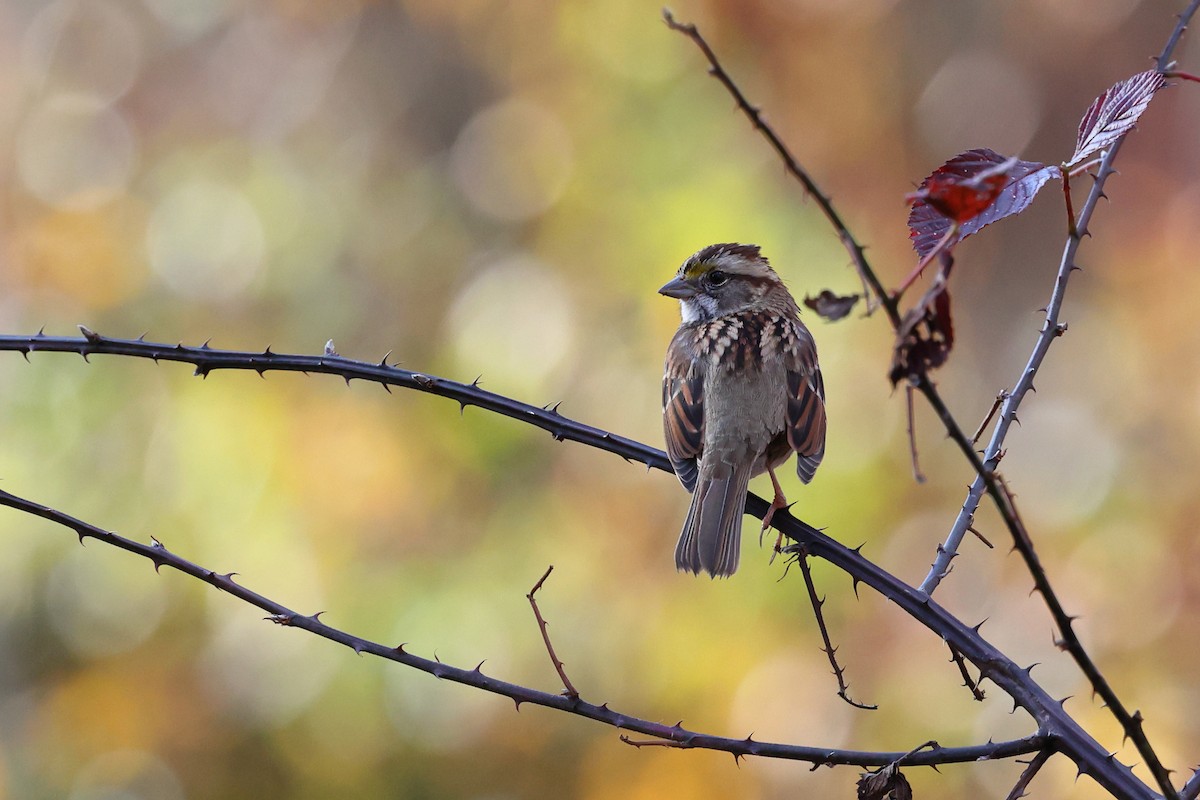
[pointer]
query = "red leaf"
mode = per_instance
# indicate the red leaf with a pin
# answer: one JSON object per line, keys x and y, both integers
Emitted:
{"x": 959, "y": 197}
{"x": 831, "y": 306}
{"x": 1114, "y": 113}
{"x": 1020, "y": 181}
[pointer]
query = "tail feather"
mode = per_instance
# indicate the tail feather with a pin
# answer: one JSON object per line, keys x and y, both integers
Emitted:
{"x": 712, "y": 533}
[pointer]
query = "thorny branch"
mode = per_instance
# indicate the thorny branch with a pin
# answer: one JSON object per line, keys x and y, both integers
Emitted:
{"x": 676, "y": 735}
{"x": 1067, "y": 736}
{"x": 985, "y": 478}
{"x": 793, "y": 166}
{"x": 828, "y": 649}
{"x": 968, "y": 681}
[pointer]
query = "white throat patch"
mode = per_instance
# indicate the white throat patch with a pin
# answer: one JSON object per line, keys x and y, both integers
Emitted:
{"x": 698, "y": 309}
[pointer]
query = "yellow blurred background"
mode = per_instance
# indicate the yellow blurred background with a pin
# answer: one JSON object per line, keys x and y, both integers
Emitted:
{"x": 497, "y": 189}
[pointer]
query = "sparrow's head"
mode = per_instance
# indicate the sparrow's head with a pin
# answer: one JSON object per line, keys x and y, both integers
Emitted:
{"x": 725, "y": 279}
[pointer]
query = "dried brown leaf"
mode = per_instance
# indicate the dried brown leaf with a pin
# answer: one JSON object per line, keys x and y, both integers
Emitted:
{"x": 832, "y": 306}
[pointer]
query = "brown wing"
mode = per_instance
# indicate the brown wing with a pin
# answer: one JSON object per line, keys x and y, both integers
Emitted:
{"x": 805, "y": 403}
{"x": 683, "y": 409}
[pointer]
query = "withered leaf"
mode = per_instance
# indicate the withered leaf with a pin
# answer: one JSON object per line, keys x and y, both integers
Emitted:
{"x": 975, "y": 189}
{"x": 887, "y": 784}
{"x": 832, "y": 306}
{"x": 926, "y": 333}
{"x": 1114, "y": 113}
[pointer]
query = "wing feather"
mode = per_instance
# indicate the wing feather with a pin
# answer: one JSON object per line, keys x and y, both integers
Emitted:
{"x": 683, "y": 409}
{"x": 805, "y": 418}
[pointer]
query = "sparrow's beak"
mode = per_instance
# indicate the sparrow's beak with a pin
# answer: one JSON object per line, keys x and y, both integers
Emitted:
{"x": 679, "y": 288}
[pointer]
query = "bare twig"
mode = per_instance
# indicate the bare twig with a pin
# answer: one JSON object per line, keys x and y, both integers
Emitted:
{"x": 968, "y": 681}
{"x": 918, "y": 476}
{"x": 571, "y": 691}
{"x": 828, "y": 649}
{"x": 981, "y": 537}
{"x": 1031, "y": 769}
{"x": 942, "y": 246}
{"x": 857, "y": 254}
{"x": 160, "y": 557}
{"x": 1000, "y": 398}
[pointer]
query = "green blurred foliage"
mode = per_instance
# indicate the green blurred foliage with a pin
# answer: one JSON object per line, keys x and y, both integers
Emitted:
{"x": 496, "y": 189}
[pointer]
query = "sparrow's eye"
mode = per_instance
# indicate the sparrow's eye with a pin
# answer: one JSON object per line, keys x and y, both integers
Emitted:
{"x": 717, "y": 278}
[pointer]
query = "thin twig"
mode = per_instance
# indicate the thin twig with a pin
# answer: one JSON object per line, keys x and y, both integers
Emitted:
{"x": 571, "y": 691}
{"x": 160, "y": 557}
{"x": 857, "y": 254}
{"x": 968, "y": 681}
{"x": 918, "y": 476}
{"x": 981, "y": 537}
{"x": 828, "y": 649}
{"x": 942, "y": 246}
{"x": 1000, "y": 398}
{"x": 1031, "y": 769}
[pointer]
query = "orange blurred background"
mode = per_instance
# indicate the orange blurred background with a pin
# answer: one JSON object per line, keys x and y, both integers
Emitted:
{"x": 497, "y": 189}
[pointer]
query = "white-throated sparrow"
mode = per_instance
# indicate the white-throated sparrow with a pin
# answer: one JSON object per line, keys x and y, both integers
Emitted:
{"x": 741, "y": 391}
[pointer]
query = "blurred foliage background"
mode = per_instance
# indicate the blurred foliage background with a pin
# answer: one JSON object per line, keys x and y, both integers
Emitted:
{"x": 497, "y": 189}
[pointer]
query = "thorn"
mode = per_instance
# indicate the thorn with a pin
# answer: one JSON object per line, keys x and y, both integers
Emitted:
{"x": 400, "y": 649}
{"x": 386, "y": 388}
{"x": 517, "y": 703}
{"x": 206, "y": 344}
{"x": 26, "y": 354}
{"x": 201, "y": 371}
{"x": 330, "y": 350}
{"x": 142, "y": 338}
{"x": 41, "y": 332}
{"x": 382, "y": 361}
{"x": 479, "y": 667}
{"x": 1029, "y": 669}
{"x": 268, "y": 352}
{"x": 475, "y": 383}
{"x": 980, "y": 625}
{"x": 357, "y": 647}
{"x": 1063, "y": 702}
